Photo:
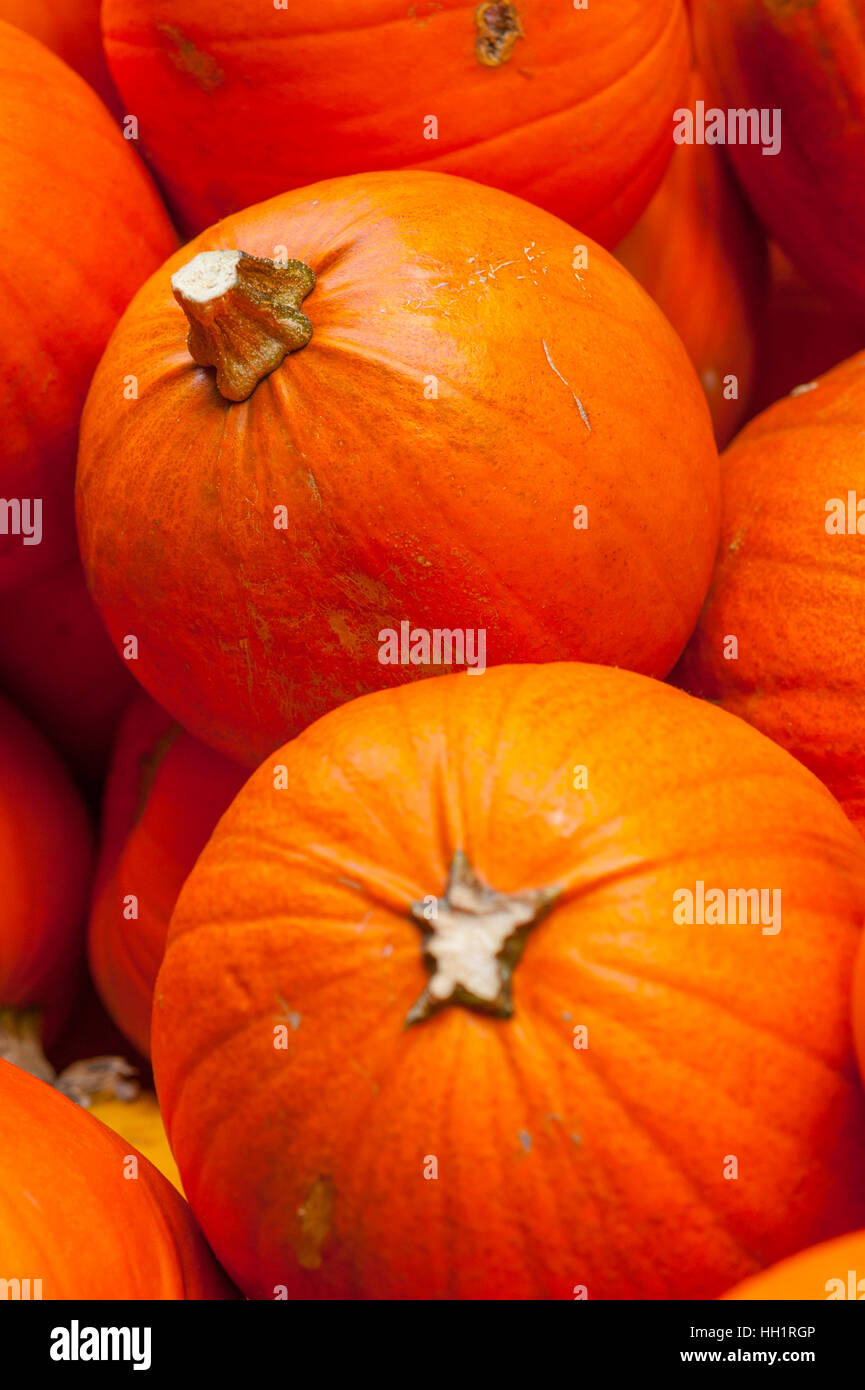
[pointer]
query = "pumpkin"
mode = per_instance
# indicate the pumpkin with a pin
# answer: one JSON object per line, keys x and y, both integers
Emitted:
{"x": 800, "y": 63}
{"x": 139, "y": 1122}
{"x": 431, "y": 1022}
{"x": 81, "y": 226}
{"x": 571, "y": 109}
{"x": 701, "y": 255}
{"x": 823, "y": 1272}
{"x": 45, "y": 860}
{"x": 71, "y": 29}
{"x": 165, "y": 793}
{"x": 804, "y": 334}
{"x": 779, "y": 641}
{"x": 466, "y": 426}
{"x": 58, "y": 665}
{"x": 84, "y": 1215}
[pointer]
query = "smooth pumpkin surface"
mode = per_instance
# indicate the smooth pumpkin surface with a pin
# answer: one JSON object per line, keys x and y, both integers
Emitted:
{"x": 820, "y": 1273}
{"x": 804, "y": 334}
{"x": 140, "y": 1122}
{"x": 58, "y": 664}
{"x": 421, "y": 459}
{"x": 81, "y": 226}
{"x": 787, "y": 590}
{"x": 165, "y": 792}
{"x": 305, "y": 1106}
{"x": 805, "y": 58}
{"x": 45, "y": 862}
{"x": 71, "y": 1217}
{"x": 701, "y": 255}
{"x": 70, "y": 28}
{"x": 240, "y": 101}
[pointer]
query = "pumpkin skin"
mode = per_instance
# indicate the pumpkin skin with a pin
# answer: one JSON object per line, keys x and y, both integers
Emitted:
{"x": 57, "y": 310}
{"x": 165, "y": 793}
{"x": 805, "y": 59}
{"x": 70, "y": 28}
{"x": 804, "y": 334}
{"x": 701, "y": 255}
{"x": 57, "y": 663}
{"x": 397, "y": 503}
{"x": 87, "y": 1231}
{"x": 806, "y": 1275}
{"x": 45, "y": 861}
{"x": 788, "y": 590}
{"x": 576, "y": 119}
{"x": 552, "y": 1172}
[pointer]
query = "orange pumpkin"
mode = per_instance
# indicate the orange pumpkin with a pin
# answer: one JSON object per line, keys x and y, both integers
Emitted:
{"x": 45, "y": 859}
{"x": 84, "y": 1214}
{"x": 823, "y": 1272}
{"x": 804, "y": 334}
{"x": 701, "y": 255}
{"x": 484, "y": 433}
{"x": 164, "y": 795}
{"x": 81, "y": 226}
{"x": 801, "y": 63}
{"x": 140, "y": 1123}
{"x": 71, "y": 29}
{"x": 779, "y": 641}
{"x": 569, "y": 108}
{"x": 57, "y": 663}
{"x": 431, "y": 1022}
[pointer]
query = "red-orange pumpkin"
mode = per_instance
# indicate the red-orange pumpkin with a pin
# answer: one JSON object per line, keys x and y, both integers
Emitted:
{"x": 45, "y": 860}
{"x": 77, "y": 1217}
{"x": 804, "y": 334}
{"x": 570, "y": 108}
{"x": 701, "y": 255}
{"x": 71, "y": 29}
{"x": 819, "y": 1273}
{"x": 81, "y": 226}
{"x": 164, "y": 795}
{"x": 486, "y": 431}
{"x": 346, "y": 1125}
{"x": 802, "y": 61}
{"x": 58, "y": 665}
{"x": 779, "y": 641}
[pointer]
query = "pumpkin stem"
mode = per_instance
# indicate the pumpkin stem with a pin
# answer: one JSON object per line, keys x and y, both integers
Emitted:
{"x": 244, "y": 315}
{"x": 475, "y": 938}
{"x": 21, "y": 1044}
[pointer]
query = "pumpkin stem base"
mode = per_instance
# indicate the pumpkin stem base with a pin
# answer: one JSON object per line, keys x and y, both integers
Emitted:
{"x": 476, "y": 936}
{"x": 21, "y": 1045}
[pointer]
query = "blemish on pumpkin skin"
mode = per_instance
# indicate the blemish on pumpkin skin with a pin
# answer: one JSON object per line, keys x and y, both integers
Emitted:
{"x": 525, "y": 1140}
{"x": 315, "y": 1218}
{"x": 499, "y": 28}
{"x": 191, "y": 60}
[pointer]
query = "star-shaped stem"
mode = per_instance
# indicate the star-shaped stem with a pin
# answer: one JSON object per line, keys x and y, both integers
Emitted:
{"x": 475, "y": 937}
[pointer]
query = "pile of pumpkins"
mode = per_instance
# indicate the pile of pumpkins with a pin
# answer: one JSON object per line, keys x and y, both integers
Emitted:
{"x": 452, "y": 773}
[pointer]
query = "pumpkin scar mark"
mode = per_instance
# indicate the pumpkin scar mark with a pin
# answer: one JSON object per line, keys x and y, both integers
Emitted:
{"x": 315, "y": 1217}
{"x": 288, "y": 1015}
{"x": 583, "y": 416}
{"x": 498, "y": 29}
{"x": 189, "y": 59}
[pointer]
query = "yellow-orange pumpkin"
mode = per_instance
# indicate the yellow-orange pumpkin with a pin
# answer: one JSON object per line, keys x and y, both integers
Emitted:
{"x": 569, "y": 107}
{"x": 574, "y": 1091}
{"x": 779, "y": 641}
{"x": 491, "y": 429}
{"x": 85, "y": 1214}
{"x": 823, "y": 1272}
